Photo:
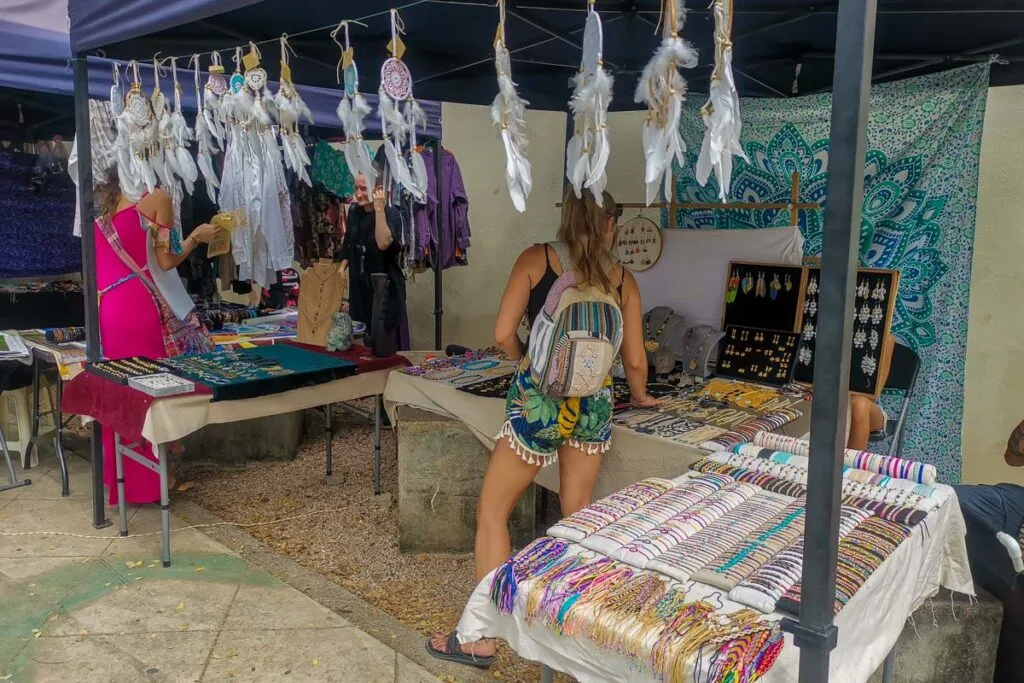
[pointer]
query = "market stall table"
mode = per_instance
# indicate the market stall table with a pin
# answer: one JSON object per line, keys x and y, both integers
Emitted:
{"x": 632, "y": 454}
{"x": 869, "y": 623}
{"x": 136, "y": 417}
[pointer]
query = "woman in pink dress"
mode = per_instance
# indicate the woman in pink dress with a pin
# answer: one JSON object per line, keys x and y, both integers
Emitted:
{"x": 141, "y": 313}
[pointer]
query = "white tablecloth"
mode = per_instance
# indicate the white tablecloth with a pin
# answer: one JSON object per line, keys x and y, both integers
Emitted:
{"x": 632, "y": 455}
{"x": 869, "y": 625}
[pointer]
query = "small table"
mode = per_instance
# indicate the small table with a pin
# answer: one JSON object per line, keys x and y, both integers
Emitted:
{"x": 161, "y": 421}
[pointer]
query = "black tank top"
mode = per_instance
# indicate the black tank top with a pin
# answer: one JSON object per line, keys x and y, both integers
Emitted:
{"x": 539, "y": 292}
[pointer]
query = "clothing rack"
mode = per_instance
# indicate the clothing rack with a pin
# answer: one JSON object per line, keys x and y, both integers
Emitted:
{"x": 794, "y": 206}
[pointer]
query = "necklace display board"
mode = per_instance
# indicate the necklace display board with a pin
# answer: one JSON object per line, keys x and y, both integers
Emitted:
{"x": 758, "y": 355}
{"x": 260, "y": 371}
{"x": 874, "y": 304}
{"x": 767, "y": 296}
{"x": 700, "y": 344}
{"x": 320, "y": 297}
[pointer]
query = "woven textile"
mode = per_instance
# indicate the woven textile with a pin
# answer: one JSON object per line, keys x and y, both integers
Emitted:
{"x": 899, "y": 468}
{"x": 677, "y": 529}
{"x": 597, "y": 515}
{"x": 860, "y": 554}
{"x": 643, "y": 520}
{"x": 765, "y": 481}
{"x": 718, "y": 537}
{"x": 762, "y": 589}
{"x": 759, "y": 546}
{"x": 900, "y": 514}
{"x": 747, "y": 431}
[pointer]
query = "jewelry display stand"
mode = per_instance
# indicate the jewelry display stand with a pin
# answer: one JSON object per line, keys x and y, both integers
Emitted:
{"x": 700, "y": 348}
{"x": 758, "y": 355}
{"x": 764, "y": 295}
{"x": 320, "y": 297}
{"x": 874, "y": 305}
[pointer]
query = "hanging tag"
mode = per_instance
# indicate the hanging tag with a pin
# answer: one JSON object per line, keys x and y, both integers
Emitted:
{"x": 286, "y": 73}
{"x": 347, "y": 57}
{"x": 250, "y": 60}
{"x": 396, "y": 47}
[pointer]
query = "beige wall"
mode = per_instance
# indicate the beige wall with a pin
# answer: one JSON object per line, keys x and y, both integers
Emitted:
{"x": 995, "y": 349}
{"x": 500, "y": 233}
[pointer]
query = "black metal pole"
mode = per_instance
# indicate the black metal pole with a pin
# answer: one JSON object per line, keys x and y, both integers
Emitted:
{"x": 816, "y": 634}
{"x": 439, "y": 215}
{"x": 92, "y": 322}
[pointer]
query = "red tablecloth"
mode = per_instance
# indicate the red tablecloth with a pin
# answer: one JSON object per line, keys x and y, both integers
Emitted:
{"x": 115, "y": 406}
{"x": 361, "y": 356}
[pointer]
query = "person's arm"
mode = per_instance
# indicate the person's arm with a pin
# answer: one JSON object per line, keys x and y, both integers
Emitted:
{"x": 634, "y": 356}
{"x": 381, "y": 230}
{"x": 157, "y": 214}
{"x": 1014, "y": 455}
{"x": 513, "y": 306}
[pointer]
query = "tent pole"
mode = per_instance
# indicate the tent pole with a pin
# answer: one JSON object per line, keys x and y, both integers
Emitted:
{"x": 439, "y": 217}
{"x": 816, "y": 634}
{"x": 92, "y": 323}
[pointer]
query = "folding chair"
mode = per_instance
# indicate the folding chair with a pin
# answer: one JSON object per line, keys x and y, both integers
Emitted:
{"x": 903, "y": 378}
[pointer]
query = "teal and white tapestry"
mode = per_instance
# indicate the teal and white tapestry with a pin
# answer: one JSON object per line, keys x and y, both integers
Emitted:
{"x": 920, "y": 196}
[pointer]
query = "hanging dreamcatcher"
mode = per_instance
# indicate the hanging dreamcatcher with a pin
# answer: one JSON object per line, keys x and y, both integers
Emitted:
{"x": 507, "y": 112}
{"x": 208, "y": 143}
{"x": 162, "y": 165}
{"x": 136, "y": 140}
{"x": 177, "y": 154}
{"x": 721, "y": 113}
{"x": 399, "y": 126}
{"x": 663, "y": 89}
{"x": 587, "y": 153}
{"x": 215, "y": 89}
{"x": 290, "y": 109}
{"x": 352, "y": 112}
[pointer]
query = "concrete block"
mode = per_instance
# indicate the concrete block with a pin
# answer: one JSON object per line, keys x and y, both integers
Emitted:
{"x": 234, "y": 444}
{"x": 441, "y": 466}
{"x": 961, "y": 650}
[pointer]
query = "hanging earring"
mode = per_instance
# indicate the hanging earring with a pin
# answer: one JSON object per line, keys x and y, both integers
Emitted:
{"x": 805, "y": 356}
{"x": 868, "y": 364}
{"x": 809, "y": 331}
{"x": 734, "y": 286}
{"x": 789, "y": 283}
{"x": 813, "y": 308}
{"x": 775, "y": 286}
{"x": 873, "y": 341}
{"x": 812, "y": 286}
{"x": 865, "y": 314}
{"x": 747, "y": 283}
{"x": 877, "y": 314}
{"x": 859, "y": 338}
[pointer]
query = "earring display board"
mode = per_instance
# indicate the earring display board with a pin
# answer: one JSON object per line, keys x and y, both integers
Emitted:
{"x": 758, "y": 355}
{"x": 638, "y": 243}
{"x": 124, "y": 369}
{"x": 874, "y": 304}
{"x": 767, "y": 296}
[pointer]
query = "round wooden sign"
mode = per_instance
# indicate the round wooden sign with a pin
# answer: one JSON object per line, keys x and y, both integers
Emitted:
{"x": 638, "y": 243}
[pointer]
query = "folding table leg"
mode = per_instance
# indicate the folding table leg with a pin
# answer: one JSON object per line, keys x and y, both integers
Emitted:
{"x": 26, "y": 456}
{"x": 62, "y": 460}
{"x": 377, "y": 411}
{"x": 122, "y": 506}
{"x": 889, "y": 667}
{"x": 14, "y": 483}
{"x": 165, "y": 507}
{"x": 546, "y": 674}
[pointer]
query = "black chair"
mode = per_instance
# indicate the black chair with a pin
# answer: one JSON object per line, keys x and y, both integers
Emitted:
{"x": 902, "y": 378}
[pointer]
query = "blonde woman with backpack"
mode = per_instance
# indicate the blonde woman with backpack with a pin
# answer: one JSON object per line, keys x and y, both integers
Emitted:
{"x": 584, "y": 310}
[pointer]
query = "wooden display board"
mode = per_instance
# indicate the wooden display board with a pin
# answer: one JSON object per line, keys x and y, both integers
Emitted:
{"x": 874, "y": 305}
{"x": 771, "y": 299}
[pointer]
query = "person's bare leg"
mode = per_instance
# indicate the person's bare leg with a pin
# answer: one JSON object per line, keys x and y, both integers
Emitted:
{"x": 577, "y": 473}
{"x": 860, "y": 421}
{"x": 506, "y": 478}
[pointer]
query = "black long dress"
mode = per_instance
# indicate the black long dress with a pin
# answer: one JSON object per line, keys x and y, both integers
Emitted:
{"x": 365, "y": 258}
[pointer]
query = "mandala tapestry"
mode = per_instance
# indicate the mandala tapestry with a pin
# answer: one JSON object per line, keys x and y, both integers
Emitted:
{"x": 920, "y": 196}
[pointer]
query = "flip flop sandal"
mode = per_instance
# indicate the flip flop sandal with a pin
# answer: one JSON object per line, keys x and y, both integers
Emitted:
{"x": 453, "y": 653}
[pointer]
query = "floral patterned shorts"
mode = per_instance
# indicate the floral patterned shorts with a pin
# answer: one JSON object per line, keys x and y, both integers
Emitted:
{"x": 537, "y": 425}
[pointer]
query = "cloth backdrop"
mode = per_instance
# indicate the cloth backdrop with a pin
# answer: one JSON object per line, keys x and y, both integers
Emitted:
{"x": 920, "y": 198}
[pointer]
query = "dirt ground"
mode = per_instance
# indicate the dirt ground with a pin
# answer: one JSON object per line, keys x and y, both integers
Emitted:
{"x": 356, "y": 547}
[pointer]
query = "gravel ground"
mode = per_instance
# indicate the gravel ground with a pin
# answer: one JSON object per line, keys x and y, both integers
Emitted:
{"x": 355, "y": 541}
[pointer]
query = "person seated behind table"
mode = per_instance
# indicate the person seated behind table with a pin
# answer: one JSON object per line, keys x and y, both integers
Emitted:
{"x": 572, "y": 433}
{"x": 867, "y": 417}
{"x": 988, "y": 510}
{"x": 370, "y": 247}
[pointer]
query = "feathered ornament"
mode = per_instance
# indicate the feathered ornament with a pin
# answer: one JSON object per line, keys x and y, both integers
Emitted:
{"x": 116, "y": 96}
{"x": 396, "y": 87}
{"x": 587, "y": 153}
{"x": 163, "y": 159}
{"x": 663, "y": 89}
{"x": 721, "y": 113}
{"x": 508, "y": 114}
{"x": 181, "y": 136}
{"x": 352, "y": 111}
{"x": 136, "y": 141}
{"x": 290, "y": 110}
{"x": 214, "y": 90}
{"x": 206, "y": 143}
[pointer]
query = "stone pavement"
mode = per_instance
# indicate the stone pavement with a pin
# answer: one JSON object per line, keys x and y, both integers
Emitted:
{"x": 104, "y": 609}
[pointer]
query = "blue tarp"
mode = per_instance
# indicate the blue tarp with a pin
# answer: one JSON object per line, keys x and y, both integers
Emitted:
{"x": 38, "y": 60}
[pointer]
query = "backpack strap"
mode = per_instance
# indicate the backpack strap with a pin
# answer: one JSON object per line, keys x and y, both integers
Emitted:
{"x": 562, "y": 251}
